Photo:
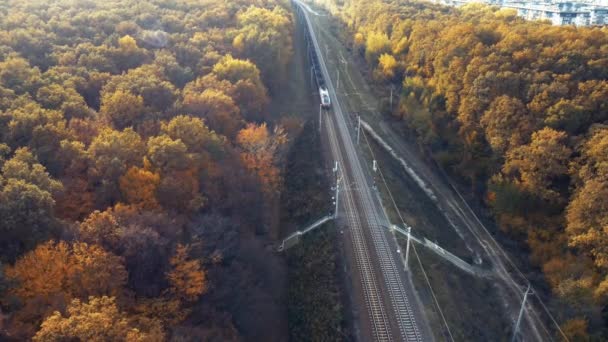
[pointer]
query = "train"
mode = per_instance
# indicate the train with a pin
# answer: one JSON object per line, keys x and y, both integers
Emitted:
{"x": 325, "y": 100}
{"x": 316, "y": 70}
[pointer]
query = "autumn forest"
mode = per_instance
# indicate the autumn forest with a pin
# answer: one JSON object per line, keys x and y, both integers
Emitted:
{"x": 142, "y": 167}
{"x": 136, "y": 156}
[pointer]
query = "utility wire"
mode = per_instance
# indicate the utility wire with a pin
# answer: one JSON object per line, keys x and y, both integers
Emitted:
{"x": 502, "y": 252}
{"x": 497, "y": 246}
{"x": 413, "y": 245}
{"x": 510, "y": 262}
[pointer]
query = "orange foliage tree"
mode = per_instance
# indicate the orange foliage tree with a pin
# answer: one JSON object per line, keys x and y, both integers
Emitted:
{"x": 260, "y": 153}
{"x": 70, "y": 270}
{"x": 187, "y": 278}
{"x": 138, "y": 187}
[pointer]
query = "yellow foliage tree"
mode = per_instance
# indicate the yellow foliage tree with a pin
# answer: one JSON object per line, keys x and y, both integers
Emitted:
{"x": 376, "y": 44}
{"x": 387, "y": 66}
{"x": 127, "y": 43}
{"x": 537, "y": 165}
{"x": 129, "y": 55}
{"x": 98, "y": 320}
{"x": 586, "y": 215}
{"x": 359, "y": 39}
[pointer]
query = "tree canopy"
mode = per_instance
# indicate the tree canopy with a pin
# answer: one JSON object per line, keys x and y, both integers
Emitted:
{"x": 118, "y": 148}
{"x": 97, "y": 320}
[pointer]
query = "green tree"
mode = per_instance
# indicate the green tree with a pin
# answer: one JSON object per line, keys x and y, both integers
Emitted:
{"x": 122, "y": 108}
{"x": 568, "y": 116}
{"x": 265, "y": 36}
{"x": 24, "y": 166}
{"x": 168, "y": 154}
{"x": 25, "y": 117}
{"x": 129, "y": 55}
{"x": 146, "y": 81}
{"x": 5, "y": 151}
{"x": 17, "y": 74}
{"x": 26, "y": 203}
{"x": 249, "y": 91}
{"x": 66, "y": 99}
{"x": 194, "y": 134}
{"x": 218, "y": 109}
{"x": 172, "y": 69}
{"x": 114, "y": 152}
{"x": 27, "y": 216}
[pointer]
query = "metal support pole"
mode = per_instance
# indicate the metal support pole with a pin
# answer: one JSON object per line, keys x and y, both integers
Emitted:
{"x": 358, "y": 128}
{"x": 375, "y": 166}
{"x": 336, "y": 171}
{"x": 337, "y": 198}
{"x": 311, "y": 74}
{"x": 320, "y": 116}
{"x": 338, "y": 82}
{"x": 521, "y": 313}
{"x": 407, "y": 247}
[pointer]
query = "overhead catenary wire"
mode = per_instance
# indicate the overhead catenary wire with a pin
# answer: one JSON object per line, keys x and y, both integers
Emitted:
{"x": 501, "y": 251}
{"x": 378, "y": 315}
{"x": 413, "y": 245}
{"x": 512, "y": 264}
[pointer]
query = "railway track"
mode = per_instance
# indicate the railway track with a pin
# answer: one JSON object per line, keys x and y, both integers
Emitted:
{"x": 390, "y": 312}
{"x": 394, "y": 286}
{"x": 373, "y": 300}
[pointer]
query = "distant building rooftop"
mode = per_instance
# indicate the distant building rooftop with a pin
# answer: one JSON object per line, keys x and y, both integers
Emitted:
{"x": 579, "y": 13}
